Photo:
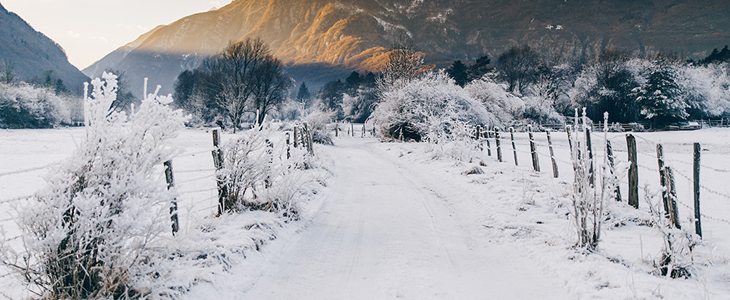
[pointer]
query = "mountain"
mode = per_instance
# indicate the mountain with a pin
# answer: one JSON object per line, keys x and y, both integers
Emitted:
{"x": 32, "y": 53}
{"x": 321, "y": 40}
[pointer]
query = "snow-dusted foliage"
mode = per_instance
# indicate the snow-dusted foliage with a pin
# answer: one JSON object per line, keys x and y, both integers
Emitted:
{"x": 25, "y": 106}
{"x": 317, "y": 125}
{"x": 608, "y": 85}
{"x": 96, "y": 230}
{"x": 259, "y": 176}
{"x": 705, "y": 89}
{"x": 676, "y": 257}
{"x": 431, "y": 108}
{"x": 659, "y": 98}
{"x": 593, "y": 184}
{"x": 504, "y": 105}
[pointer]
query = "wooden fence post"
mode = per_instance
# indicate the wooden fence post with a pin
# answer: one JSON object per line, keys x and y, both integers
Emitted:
{"x": 698, "y": 224}
{"x": 552, "y": 155}
{"x": 533, "y": 151}
{"x": 288, "y": 142}
{"x": 662, "y": 178}
{"x": 352, "y": 130}
{"x": 514, "y": 149}
{"x": 308, "y": 136}
{"x": 218, "y": 162}
{"x": 570, "y": 138}
{"x": 337, "y": 127}
{"x": 496, "y": 140}
{"x": 173, "y": 206}
{"x": 295, "y": 136}
{"x": 672, "y": 196}
{"x": 612, "y": 165}
{"x": 363, "y": 130}
{"x": 589, "y": 148}
{"x": 633, "y": 172}
{"x": 489, "y": 147}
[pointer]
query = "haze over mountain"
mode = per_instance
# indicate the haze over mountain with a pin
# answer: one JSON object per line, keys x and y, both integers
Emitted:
{"x": 32, "y": 53}
{"x": 322, "y": 40}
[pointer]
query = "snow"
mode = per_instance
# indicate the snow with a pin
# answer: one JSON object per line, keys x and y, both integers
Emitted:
{"x": 402, "y": 220}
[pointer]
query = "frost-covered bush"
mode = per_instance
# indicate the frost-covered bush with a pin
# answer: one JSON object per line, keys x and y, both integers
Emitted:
{"x": 431, "y": 108}
{"x": 25, "y": 106}
{"x": 262, "y": 176}
{"x": 593, "y": 184}
{"x": 676, "y": 257}
{"x": 504, "y": 105}
{"x": 317, "y": 125}
{"x": 95, "y": 231}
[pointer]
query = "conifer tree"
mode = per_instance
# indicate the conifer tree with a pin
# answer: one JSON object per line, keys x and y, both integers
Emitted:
{"x": 659, "y": 99}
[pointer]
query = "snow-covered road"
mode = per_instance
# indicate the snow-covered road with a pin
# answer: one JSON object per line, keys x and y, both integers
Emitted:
{"x": 392, "y": 230}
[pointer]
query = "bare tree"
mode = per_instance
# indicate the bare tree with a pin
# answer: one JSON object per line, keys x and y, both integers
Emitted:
{"x": 8, "y": 72}
{"x": 232, "y": 76}
{"x": 269, "y": 85}
{"x": 518, "y": 66}
{"x": 404, "y": 63}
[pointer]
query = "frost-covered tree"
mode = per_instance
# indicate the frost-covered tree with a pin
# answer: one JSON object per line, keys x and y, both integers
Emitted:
{"x": 431, "y": 108}
{"x": 659, "y": 99}
{"x": 607, "y": 85}
{"x": 705, "y": 89}
{"x": 93, "y": 232}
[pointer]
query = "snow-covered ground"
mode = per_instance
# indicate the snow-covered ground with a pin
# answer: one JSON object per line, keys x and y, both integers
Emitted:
{"x": 402, "y": 220}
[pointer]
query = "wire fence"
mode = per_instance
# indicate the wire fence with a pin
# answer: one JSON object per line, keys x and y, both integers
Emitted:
{"x": 521, "y": 141}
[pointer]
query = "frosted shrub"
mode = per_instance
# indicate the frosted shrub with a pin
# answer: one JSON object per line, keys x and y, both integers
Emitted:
{"x": 93, "y": 231}
{"x": 502, "y": 104}
{"x": 317, "y": 124}
{"x": 431, "y": 108}
{"x": 25, "y": 106}
{"x": 258, "y": 175}
{"x": 676, "y": 257}
{"x": 592, "y": 187}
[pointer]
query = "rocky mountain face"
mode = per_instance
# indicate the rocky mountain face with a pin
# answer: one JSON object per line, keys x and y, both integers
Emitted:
{"x": 321, "y": 40}
{"x": 32, "y": 54}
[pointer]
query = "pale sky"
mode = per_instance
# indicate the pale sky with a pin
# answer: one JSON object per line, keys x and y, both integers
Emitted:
{"x": 90, "y": 29}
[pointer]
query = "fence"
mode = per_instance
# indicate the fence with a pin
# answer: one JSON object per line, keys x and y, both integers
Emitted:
{"x": 630, "y": 149}
{"x": 195, "y": 182}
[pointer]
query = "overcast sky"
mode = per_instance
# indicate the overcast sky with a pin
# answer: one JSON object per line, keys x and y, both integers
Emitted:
{"x": 90, "y": 29}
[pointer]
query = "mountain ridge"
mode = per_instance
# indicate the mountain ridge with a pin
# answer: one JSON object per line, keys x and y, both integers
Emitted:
{"x": 346, "y": 35}
{"x": 32, "y": 53}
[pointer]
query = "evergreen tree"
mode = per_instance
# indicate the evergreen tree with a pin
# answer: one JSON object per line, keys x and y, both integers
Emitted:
{"x": 352, "y": 83}
{"x": 331, "y": 96}
{"x": 659, "y": 98}
{"x": 479, "y": 68}
{"x": 304, "y": 95}
{"x": 457, "y": 71}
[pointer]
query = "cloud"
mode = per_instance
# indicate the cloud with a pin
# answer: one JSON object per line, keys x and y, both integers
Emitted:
{"x": 74, "y": 34}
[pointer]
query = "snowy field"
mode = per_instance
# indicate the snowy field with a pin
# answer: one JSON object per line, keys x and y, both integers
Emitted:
{"x": 403, "y": 220}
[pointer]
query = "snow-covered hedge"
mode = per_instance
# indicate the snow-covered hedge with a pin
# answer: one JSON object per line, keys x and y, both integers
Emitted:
{"x": 93, "y": 233}
{"x": 25, "y": 106}
{"x": 431, "y": 108}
